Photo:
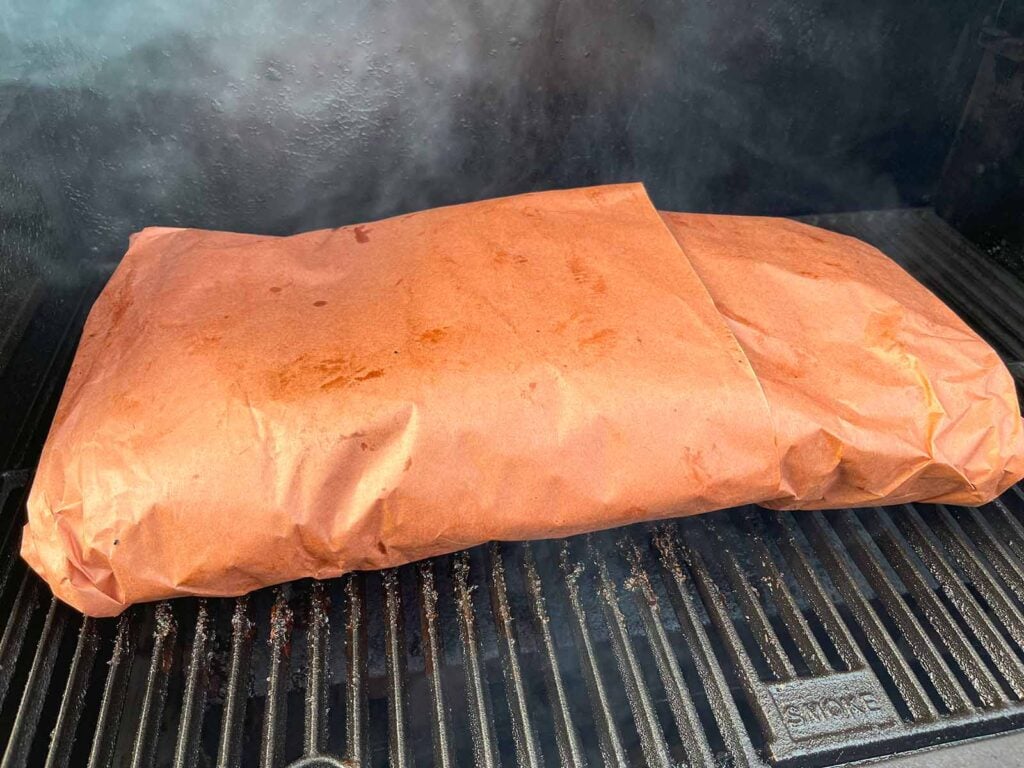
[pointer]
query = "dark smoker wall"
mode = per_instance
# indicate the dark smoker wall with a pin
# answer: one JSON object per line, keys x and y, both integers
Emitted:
{"x": 282, "y": 116}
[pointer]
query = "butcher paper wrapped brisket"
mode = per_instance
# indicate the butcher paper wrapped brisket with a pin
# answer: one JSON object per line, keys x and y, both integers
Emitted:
{"x": 248, "y": 410}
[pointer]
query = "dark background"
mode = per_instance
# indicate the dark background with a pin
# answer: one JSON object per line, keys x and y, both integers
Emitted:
{"x": 283, "y": 116}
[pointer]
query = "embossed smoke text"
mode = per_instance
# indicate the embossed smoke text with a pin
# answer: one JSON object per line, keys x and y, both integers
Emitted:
{"x": 830, "y": 708}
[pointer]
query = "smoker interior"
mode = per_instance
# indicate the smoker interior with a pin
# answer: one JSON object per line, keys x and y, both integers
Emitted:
{"x": 743, "y": 638}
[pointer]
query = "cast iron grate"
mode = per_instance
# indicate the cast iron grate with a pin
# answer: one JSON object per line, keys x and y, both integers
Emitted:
{"x": 740, "y": 638}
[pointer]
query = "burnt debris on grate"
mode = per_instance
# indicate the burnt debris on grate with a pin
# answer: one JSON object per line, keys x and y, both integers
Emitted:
{"x": 741, "y": 638}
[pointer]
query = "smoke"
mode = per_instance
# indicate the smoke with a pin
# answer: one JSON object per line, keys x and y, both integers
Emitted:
{"x": 282, "y": 116}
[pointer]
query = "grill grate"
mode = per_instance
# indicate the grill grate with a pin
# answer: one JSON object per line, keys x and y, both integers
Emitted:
{"x": 739, "y": 638}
